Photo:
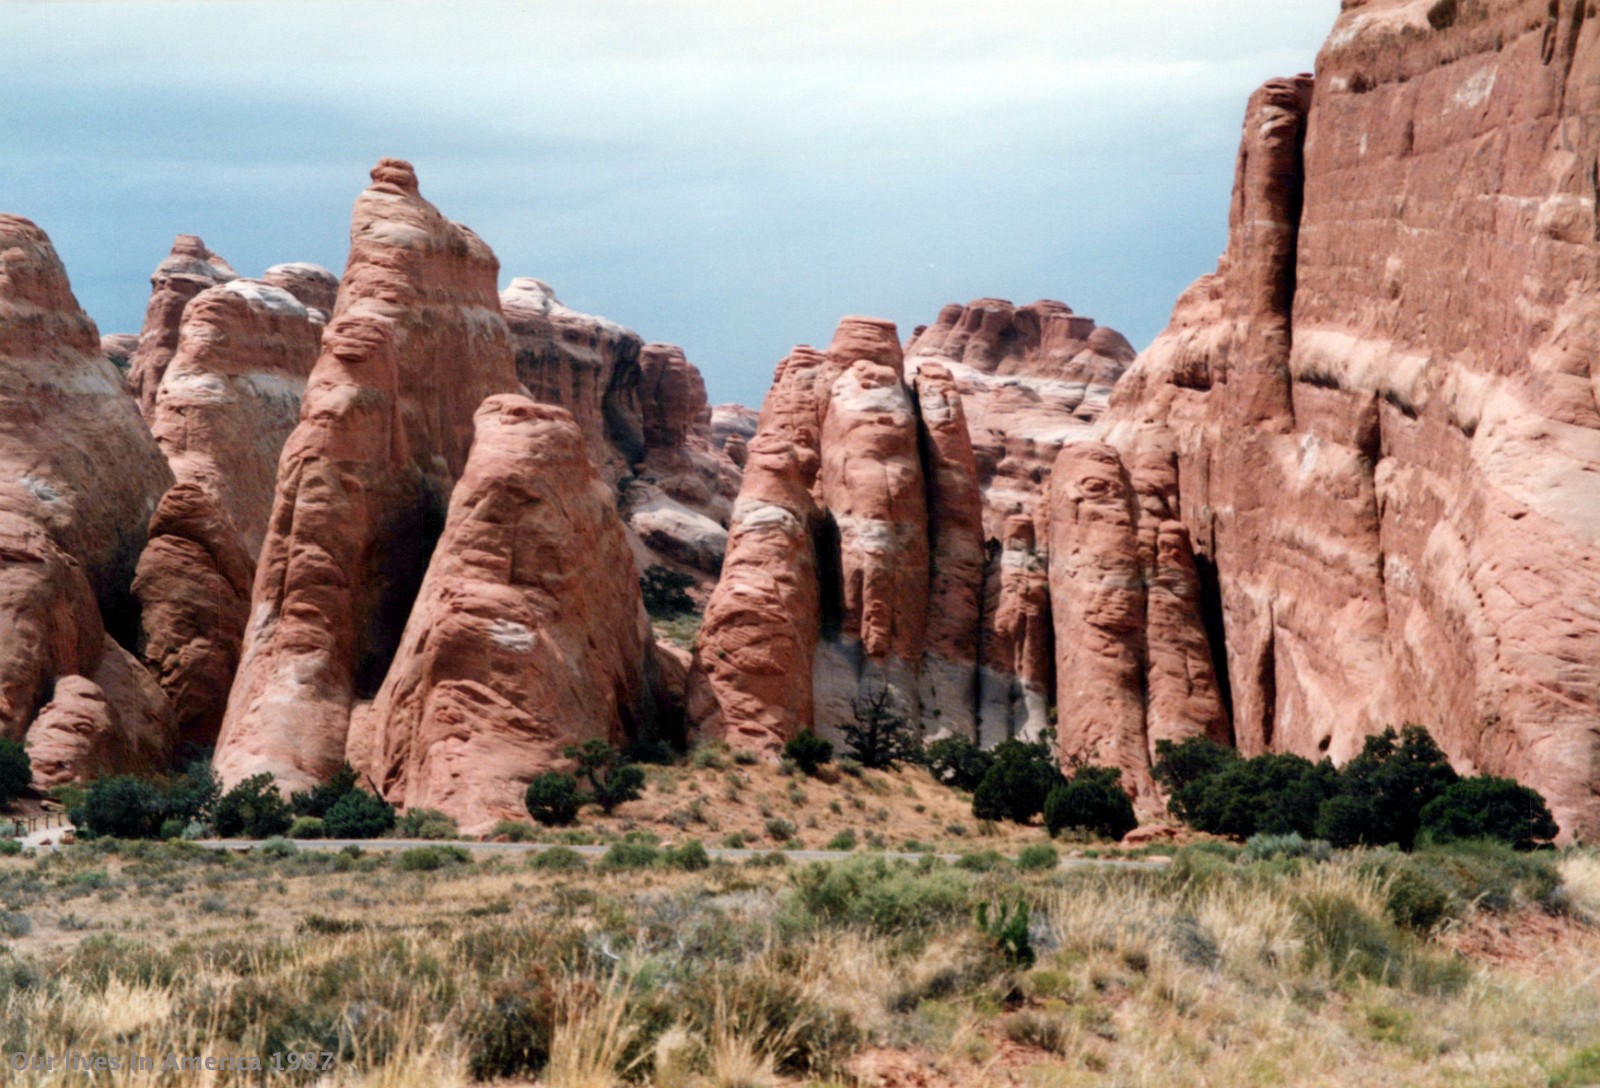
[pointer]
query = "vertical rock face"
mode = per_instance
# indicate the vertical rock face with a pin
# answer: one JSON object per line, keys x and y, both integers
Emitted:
{"x": 315, "y": 287}
{"x": 79, "y": 476}
{"x": 1382, "y": 408}
{"x": 643, "y": 412}
{"x": 500, "y": 667}
{"x": 189, "y": 269}
{"x": 955, "y": 538}
{"x": 729, "y": 421}
{"x": 415, "y": 344}
{"x": 892, "y": 562}
{"x": 585, "y": 364}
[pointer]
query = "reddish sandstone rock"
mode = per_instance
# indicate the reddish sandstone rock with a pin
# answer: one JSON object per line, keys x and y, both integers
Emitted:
{"x": 189, "y": 269}
{"x": 872, "y": 486}
{"x": 729, "y": 421}
{"x": 415, "y": 344}
{"x": 585, "y": 364}
{"x": 528, "y": 634}
{"x": 79, "y": 476}
{"x": 119, "y": 348}
{"x": 116, "y": 723}
{"x": 1017, "y": 640}
{"x": 1383, "y": 403}
{"x": 314, "y": 286}
{"x": 949, "y": 689}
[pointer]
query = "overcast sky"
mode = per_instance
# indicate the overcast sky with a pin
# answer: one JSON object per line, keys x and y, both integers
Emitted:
{"x": 728, "y": 175}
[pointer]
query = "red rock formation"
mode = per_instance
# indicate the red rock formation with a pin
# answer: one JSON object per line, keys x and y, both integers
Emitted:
{"x": 729, "y": 421}
{"x": 585, "y": 364}
{"x": 949, "y": 692}
{"x": 1016, "y": 639}
{"x": 500, "y": 667}
{"x": 415, "y": 344}
{"x": 116, "y": 723}
{"x": 189, "y": 269}
{"x": 119, "y": 348}
{"x": 315, "y": 287}
{"x": 82, "y": 476}
{"x": 1384, "y": 403}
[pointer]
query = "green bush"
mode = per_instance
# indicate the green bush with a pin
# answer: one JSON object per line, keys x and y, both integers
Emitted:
{"x": 1485, "y": 807}
{"x": 425, "y": 823}
{"x": 981, "y": 861}
{"x": 252, "y": 809}
{"x": 780, "y": 830}
{"x": 307, "y": 827}
{"x": 1181, "y": 765}
{"x": 10, "y": 847}
{"x": 1270, "y": 794}
{"x": 1038, "y": 857}
{"x": 881, "y": 736}
{"x": 690, "y": 857}
{"x": 16, "y": 771}
{"x": 657, "y": 753}
{"x": 358, "y": 815}
{"x": 663, "y": 592}
{"x": 556, "y": 859}
{"x": 1017, "y": 784}
{"x": 958, "y": 762}
{"x": 278, "y": 847}
{"x": 1092, "y": 800}
{"x": 192, "y": 792}
{"x": 1382, "y": 792}
{"x": 630, "y": 855}
{"x": 512, "y": 831}
{"x": 1292, "y": 845}
{"x": 844, "y": 840}
{"x": 123, "y": 806}
{"x": 553, "y": 799}
{"x": 427, "y": 859}
{"x": 1468, "y": 874}
{"x": 1008, "y": 929}
{"x": 809, "y": 752}
{"x": 886, "y": 896}
{"x": 612, "y": 782}
{"x": 319, "y": 799}
{"x": 171, "y": 828}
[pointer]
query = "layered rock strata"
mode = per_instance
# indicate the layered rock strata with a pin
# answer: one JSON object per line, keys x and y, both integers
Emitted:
{"x": 81, "y": 476}
{"x": 500, "y": 666}
{"x": 189, "y": 269}
{"x": 414, "y": 345}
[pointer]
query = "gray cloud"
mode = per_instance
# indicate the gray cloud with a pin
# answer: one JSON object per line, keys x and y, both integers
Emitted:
{"x": 730, "y": 176}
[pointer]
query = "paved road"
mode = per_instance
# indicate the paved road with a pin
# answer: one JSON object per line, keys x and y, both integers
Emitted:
{"x": 246, "y": 845}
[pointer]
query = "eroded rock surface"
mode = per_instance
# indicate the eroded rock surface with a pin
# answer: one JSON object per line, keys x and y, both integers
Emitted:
{"x": 189, "y": 269}
{"x": 528, "y": 634}
{"x": 415, "y": 344}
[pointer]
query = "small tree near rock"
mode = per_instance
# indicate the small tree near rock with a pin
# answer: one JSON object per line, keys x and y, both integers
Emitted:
{"x": 880, "y": 736}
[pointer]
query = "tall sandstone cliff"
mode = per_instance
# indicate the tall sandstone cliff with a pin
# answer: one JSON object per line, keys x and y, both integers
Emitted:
{"x": 415, "y": 343}
{"x": 79, "y": 476}
{"x": 1382, "y": 408}
{"x": 884, "y": 538}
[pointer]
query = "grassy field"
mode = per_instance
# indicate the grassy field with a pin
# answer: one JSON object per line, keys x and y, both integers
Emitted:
{"x": 1476, "y": 967}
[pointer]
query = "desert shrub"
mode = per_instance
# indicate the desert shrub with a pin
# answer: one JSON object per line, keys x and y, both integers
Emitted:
{"x": 192, "y": 792}
{"x": 880, "y": 737}
{"x": 171, "y": 829}
{"x": 1485, "y": 807}
{"x": 1270, "y": 794}
{"x": 306, "y": 827}
{"x": 690, "y": 856}
{"x": 511, "y": 831}
{"x": 809, "y": 752}
{"x": 612, "y": 782}
{"x": 14, "y": 924}
{"x": 253, "y": 809}
{"x": 1469, "y": 874}
{"x": 279, "y": 847}
{"x": 844, "y": 840}
{"x": 663, "y": 592}
{"x": 981, "y": 861}
{"x": 1037, "y": 857}
{"x": 958, "y": 762}
{"x": 557, "y": 859}
{"x": 882, "y": 895}
{"x": 509, "y": 1026}
{"x": 1017, "y": 783}
{"x": 319, "y": 799}
{"x": 427, "y": 859}
{"x": 123, "y": 806}
{"x": 10, "y": 848}
{"x": 780, "y": 830}
{"x": 553, "y": 798}
{"x": 1292, "y": 845}
{"x": 425, "y": 823}
{"x": 16, "y": 771}
{"x": 1381, "y": 793}
{"x": 1007, "y": 927}
{"x": 1580, "y": 1070}
{"x": 358, "y": 815}
{"x": 1092, "y": 800}
{"x": 630, "y": 855}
